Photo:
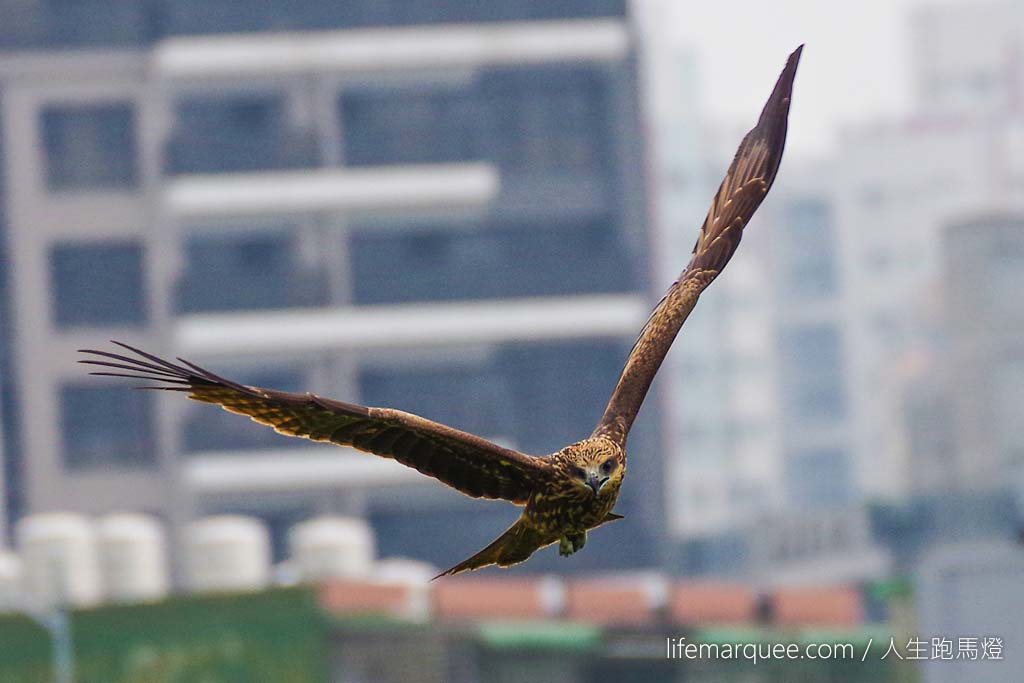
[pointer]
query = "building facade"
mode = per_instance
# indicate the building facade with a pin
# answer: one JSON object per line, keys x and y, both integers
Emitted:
{"x": 900, "y": 183}
{"x": 364, "y": 201}
{"x": 985, "y": 361}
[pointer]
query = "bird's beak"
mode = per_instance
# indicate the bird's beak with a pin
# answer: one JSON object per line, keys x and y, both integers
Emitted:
{"x": 593, "y": 482}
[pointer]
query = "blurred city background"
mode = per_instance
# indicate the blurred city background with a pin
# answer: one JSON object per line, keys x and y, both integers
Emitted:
{"x": 467, "y": 210}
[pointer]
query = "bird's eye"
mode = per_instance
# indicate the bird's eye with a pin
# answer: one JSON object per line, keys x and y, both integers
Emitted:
{"x": 578, "y": 472}
{"x": 608, "y": 465}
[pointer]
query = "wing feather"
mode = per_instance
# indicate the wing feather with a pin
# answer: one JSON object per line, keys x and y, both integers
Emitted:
{"x": 746, "y": 183}
{"x": 466, "y": 462}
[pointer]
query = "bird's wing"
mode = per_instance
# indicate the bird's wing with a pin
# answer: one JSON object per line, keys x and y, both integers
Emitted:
{"x": 746, "y": 183}
{"x": 465, "y": 462}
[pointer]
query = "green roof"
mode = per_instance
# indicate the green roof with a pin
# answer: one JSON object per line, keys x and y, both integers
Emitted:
{"x": 546, "y": 635}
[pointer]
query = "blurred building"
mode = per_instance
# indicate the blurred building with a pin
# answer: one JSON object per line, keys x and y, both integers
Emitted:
{"x": 810, "y": 364}
{"x": 898, "y": 185}
{"x": 761, "y": 393}
{"x": 8, "y": 499}
{"x": 969, "y": 594}
{"x": 983, "y": 75}
{"x": 680, "y": 187}
{"x": 436, "y": 207}
{"x": 983, "y": 262}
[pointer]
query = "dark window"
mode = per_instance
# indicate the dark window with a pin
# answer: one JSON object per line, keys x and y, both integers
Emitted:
{"x": 89, "y": 146}
{"x": 101, "y": 23}
{"x": 237, "y": 134}
{"x": 547, "y": 119}
{"x": 205, "y": 429}
{"x": 410, "y": 126}
{"x": 819, "y": 477}
{"x": 536, "y": 120}
{"x": 229, "y": 16}
{"x": 106, "y": 427}
{"x": 98, "y": 284}
{"x": 489, "y": 262}
{"x": 248, "y": 272}
{"x": 807, "y": 249}
{"x": 813, "y": 377}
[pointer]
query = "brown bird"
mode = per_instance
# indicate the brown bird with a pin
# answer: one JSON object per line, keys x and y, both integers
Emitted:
{"x": 564, "y": 493}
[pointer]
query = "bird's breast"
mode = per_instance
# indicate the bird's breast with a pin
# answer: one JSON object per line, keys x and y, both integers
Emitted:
{"x": 570, "y": 509}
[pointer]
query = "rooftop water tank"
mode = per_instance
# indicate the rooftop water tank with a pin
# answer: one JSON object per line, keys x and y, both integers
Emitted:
{"x": 413, "y": 575}
{"x": 227, "y": 553}
{"x": 133, "y": 558}
{"x": 58, "y": 554}
{"x": 332, "y": 548}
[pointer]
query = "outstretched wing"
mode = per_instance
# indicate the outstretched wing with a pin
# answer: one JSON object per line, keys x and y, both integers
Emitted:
{"x": 746, "y": 183}
{"x": 465, "y": 462}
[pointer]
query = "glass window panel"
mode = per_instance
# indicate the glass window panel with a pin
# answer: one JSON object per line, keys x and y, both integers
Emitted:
{"x": 106, "y": 426}
{"x": 89, "y": 146}
{"x": 98, "y": 284}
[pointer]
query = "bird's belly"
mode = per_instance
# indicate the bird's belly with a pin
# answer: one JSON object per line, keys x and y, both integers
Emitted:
{"x": 569, "y": 514}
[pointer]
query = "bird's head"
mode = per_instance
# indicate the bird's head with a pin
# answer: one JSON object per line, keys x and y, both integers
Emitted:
{"x": 596, "y": 468}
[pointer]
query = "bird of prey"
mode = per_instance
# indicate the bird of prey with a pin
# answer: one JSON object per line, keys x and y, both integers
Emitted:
{"x": 566, "y": 493}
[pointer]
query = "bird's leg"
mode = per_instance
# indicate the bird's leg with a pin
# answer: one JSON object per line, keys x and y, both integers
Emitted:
{"x": 570, "y": 543}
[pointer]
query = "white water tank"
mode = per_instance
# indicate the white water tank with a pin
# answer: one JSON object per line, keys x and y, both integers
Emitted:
{"x": 58, "y": 554}
{"x": 11, "y": 589}
{"x": 227, "y": 553}
{"x": 405, "y": 571}
{"x": 133, "y": 558}
{"x": 332, "y": 548}
{"x": 413, "y": 575}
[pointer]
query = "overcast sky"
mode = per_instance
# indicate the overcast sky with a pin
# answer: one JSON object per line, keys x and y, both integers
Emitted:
{"x": 854, "y": 67}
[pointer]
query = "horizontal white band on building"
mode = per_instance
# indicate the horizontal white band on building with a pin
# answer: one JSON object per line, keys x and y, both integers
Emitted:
{"x": 363, "y": 50}
{"x": 411, "y": 325}
{"x": 394, "y": 188}
{"x": 293, "y": 470}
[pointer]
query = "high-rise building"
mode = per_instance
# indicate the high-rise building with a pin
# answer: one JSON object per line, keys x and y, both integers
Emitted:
{"x": 810, "y": 366}
{"x": 966, "y": 57}
{"x": 898, "y": 185}
{"x": 984, "y": 258}
{"x": 434, "y": 206}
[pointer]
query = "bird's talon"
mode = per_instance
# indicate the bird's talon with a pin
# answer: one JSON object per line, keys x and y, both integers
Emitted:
{"x": 570, "y": 544}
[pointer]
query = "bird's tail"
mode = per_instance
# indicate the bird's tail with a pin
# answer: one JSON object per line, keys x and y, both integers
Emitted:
{"x": 514, "y": 546}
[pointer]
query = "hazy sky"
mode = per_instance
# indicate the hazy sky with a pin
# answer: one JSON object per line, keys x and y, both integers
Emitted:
{"x": 854, "y": 67}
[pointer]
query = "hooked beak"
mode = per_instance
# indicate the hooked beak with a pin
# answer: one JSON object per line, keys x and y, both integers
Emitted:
{"x": 594, "y": 482}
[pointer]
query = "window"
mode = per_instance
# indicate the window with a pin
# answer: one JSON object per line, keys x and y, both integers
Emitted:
{"x": 89, "y": 146}
{"x": 99, "y": 23}
{"x": 548, "y": 119}
{"x": 106, "y": 426}
{"x": 249, "y": 272}
{"x": 813, "y": 372}
{"x": 819, "y": 477}
{"x": 98, "y": 284}
{"x": 538, "y": 120}
{"x": 521, "y": 260}
{"x": 411, "y": 126}
{"x": 235, "y": 134}
{"x": 191, "y": 17}
{"x": 808, "y": 250}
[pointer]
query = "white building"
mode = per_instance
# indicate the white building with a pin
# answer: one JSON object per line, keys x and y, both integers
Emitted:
{"x": 441, "y": 210}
